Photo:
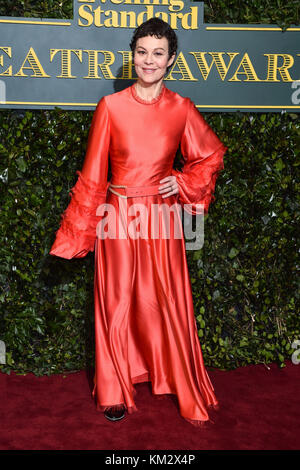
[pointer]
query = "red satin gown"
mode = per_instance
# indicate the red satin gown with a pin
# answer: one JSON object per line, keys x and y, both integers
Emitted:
{"x": 145, "y": 326}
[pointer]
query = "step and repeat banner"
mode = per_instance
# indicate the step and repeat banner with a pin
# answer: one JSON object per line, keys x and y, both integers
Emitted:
{"x": 71, "y": 64}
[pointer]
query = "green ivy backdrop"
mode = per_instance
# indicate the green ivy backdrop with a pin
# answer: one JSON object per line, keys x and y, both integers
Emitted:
{"x": 244, "y": 278}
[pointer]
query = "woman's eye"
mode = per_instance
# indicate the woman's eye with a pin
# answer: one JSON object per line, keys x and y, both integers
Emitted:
{"x": 143, "y": 52}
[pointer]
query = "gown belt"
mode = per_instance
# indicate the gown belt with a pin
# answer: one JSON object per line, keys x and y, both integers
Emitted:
{"x": 132, "y": 191}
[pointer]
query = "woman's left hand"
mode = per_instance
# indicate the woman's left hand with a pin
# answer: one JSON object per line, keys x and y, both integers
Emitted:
{"x": 169, "y": 187}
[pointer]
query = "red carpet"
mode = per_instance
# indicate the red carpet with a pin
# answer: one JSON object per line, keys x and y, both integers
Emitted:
{"x": 259, "y": 411}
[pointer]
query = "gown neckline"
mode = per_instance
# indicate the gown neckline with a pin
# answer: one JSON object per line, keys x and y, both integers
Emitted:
{"x": 141, "y": 100}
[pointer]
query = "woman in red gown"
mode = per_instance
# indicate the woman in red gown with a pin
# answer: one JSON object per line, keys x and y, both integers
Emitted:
{"x": 145, "y": 327}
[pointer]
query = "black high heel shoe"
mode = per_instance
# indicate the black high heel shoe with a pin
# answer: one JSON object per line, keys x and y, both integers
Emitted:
{"x": 115, "y": 413}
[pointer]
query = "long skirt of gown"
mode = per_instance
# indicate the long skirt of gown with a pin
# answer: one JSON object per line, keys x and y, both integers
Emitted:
{"x": 145, "y": 327}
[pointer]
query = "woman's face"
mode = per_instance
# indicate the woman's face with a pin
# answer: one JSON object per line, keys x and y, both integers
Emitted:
{"x": 151, "y": 59}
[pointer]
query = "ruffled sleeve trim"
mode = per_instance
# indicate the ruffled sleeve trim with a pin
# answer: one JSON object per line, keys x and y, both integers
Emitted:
{"x": 76, "y": 235}
{"x": 196, "y": 183}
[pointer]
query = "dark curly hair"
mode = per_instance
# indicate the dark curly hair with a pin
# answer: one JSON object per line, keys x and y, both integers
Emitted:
{"x": 155, "y": 27}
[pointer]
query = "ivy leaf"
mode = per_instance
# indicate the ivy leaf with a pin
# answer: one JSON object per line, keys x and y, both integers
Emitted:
{"x": 233, "y": 252}
{"x": 21, "y": 164}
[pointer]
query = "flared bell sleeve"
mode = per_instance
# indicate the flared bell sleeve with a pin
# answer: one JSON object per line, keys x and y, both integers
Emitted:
{"x": 76, "y": 235}
{"x": 202, "y": 158}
